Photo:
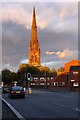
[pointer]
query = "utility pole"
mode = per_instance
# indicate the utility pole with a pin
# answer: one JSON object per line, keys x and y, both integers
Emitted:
{"x": 29, "y": 78}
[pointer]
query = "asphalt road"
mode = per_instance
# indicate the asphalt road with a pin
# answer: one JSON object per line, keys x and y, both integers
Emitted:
{"x": 41, "y": 104}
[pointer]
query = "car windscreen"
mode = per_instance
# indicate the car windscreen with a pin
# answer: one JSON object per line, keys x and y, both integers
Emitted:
{"x": 17, "y": 88}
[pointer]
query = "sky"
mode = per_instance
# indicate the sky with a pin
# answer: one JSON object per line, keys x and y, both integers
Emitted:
{"x": 57, "y": 28}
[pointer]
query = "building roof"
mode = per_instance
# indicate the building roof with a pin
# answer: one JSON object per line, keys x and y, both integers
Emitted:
{"x": 72, "y": 68}
{"x": 73, "y": 62}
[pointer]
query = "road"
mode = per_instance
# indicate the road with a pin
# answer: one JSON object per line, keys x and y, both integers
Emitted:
{"x": 41, "y": 104}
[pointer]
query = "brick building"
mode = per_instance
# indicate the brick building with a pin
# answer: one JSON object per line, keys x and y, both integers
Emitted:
{"x": 71, "y": 63}
{"x": 69, "y": 80}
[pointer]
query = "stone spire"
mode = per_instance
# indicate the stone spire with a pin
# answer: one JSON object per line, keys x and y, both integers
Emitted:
{"x": 34, "y": 27}
{"x": 34, "y": 50}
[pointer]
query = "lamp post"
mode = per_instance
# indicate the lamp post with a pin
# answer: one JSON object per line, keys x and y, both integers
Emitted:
{"x": 45, "y": 81}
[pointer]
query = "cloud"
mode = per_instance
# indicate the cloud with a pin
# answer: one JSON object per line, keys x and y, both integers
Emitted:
{"x": 42, "y": 24}
{"x": 63, "y": 54}
{"x": 9, "y": 67}
{"x": 24, "y": 61}
{"x": 54, "y": 64}
{"x": 57, "y": 31}
{"x": 15, "y": 14}
{"x": 63, "y": 20}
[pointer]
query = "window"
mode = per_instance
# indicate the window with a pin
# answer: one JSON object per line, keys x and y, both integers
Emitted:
{"x": 62, "y": 84}
{"x": 75, "y": 72}
{"x": 32, "y": 83}
{"x": 55, "y": 83}
{"x": 35, "y": 78}
{"x": 75, "y": 84}
{"x": 42, "y": 78}
{"x": 41, "y": 83}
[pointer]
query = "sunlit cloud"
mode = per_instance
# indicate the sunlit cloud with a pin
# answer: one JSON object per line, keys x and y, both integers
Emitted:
{"x": 16, "y": 15}
{"x": 62, "y": 14}
{"x": 24, "y": 61}
{"x": 63, "y": 54}
{"x": 42, "y": 24}
{"x": 54, "y": 64}
{"x": 19, "y": 16}
{"x": 59, "y": 23}
{"x": 58, "y": 28}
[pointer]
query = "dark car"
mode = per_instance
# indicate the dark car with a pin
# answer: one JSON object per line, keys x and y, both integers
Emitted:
{"x": 5, "y": 89}
{"x": 16, "y": 91}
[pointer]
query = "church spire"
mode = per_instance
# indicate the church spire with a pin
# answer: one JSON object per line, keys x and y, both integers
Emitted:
{"x": 33, "y": 10}
{"x": 34, "y": 19}
{"x": 34, "y": 53}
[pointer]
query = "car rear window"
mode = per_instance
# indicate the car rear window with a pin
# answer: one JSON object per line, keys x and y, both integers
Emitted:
{"x": 17, "y": 88}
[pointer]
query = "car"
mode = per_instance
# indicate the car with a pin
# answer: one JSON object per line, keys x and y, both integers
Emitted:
{"x": 5, "y": 89}
{"x": 16, "y": 91}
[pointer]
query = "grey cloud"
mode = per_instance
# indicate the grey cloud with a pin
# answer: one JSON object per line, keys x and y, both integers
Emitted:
{"x": 15, "y": 43}
{"x": 16, "y": 38}
{"x": 17, "y": 46}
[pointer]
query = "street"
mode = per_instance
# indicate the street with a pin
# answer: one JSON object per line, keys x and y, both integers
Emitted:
{"x": 41, "y": 104}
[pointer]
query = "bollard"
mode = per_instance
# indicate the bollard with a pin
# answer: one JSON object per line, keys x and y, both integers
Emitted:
{"x": 30, "y": 91}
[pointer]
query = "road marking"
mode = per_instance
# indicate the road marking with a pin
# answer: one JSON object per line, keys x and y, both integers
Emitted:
{"x": 77, "y": 109}
{"x": 60, "y": 104}
{"x": 14, "y": 110}
{"x": 67, "y": 107}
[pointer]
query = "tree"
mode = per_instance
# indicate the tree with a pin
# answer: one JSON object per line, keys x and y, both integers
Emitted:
{"x": 44, "y": 70}
{"x": 6, "y": 76}
{"x": 61, "y": 69}
{"x": 53, "y": 71}
{"x": 24, "y": 69}
{"x": 0, "y": 77}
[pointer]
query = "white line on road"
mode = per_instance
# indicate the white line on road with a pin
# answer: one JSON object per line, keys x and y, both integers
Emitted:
{"x": 60, "y": 104}
{"x": 14, "y": 110}
{"x": 77, "y": 109}
{"x": 67, "y": 106}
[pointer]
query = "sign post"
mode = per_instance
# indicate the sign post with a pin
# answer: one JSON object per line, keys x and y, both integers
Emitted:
{"x": 29, "y": 78}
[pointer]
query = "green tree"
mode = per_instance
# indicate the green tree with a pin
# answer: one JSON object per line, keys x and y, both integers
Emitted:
{"x": 6, "y": 76}
{"x": 0, "y": 77}
{"x": 61, "y": 69}
{"x": 25, "y": 68}
{"x": 53, "y": 71}
{"x": 44, "y": 70}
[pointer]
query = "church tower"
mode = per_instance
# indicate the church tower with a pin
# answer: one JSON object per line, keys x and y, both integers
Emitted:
{"x": 34, "y": 49}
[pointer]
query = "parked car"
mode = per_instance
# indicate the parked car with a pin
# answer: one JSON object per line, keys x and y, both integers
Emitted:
{"x": 5, "y": 89}
{"x": 16, "y": 91}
